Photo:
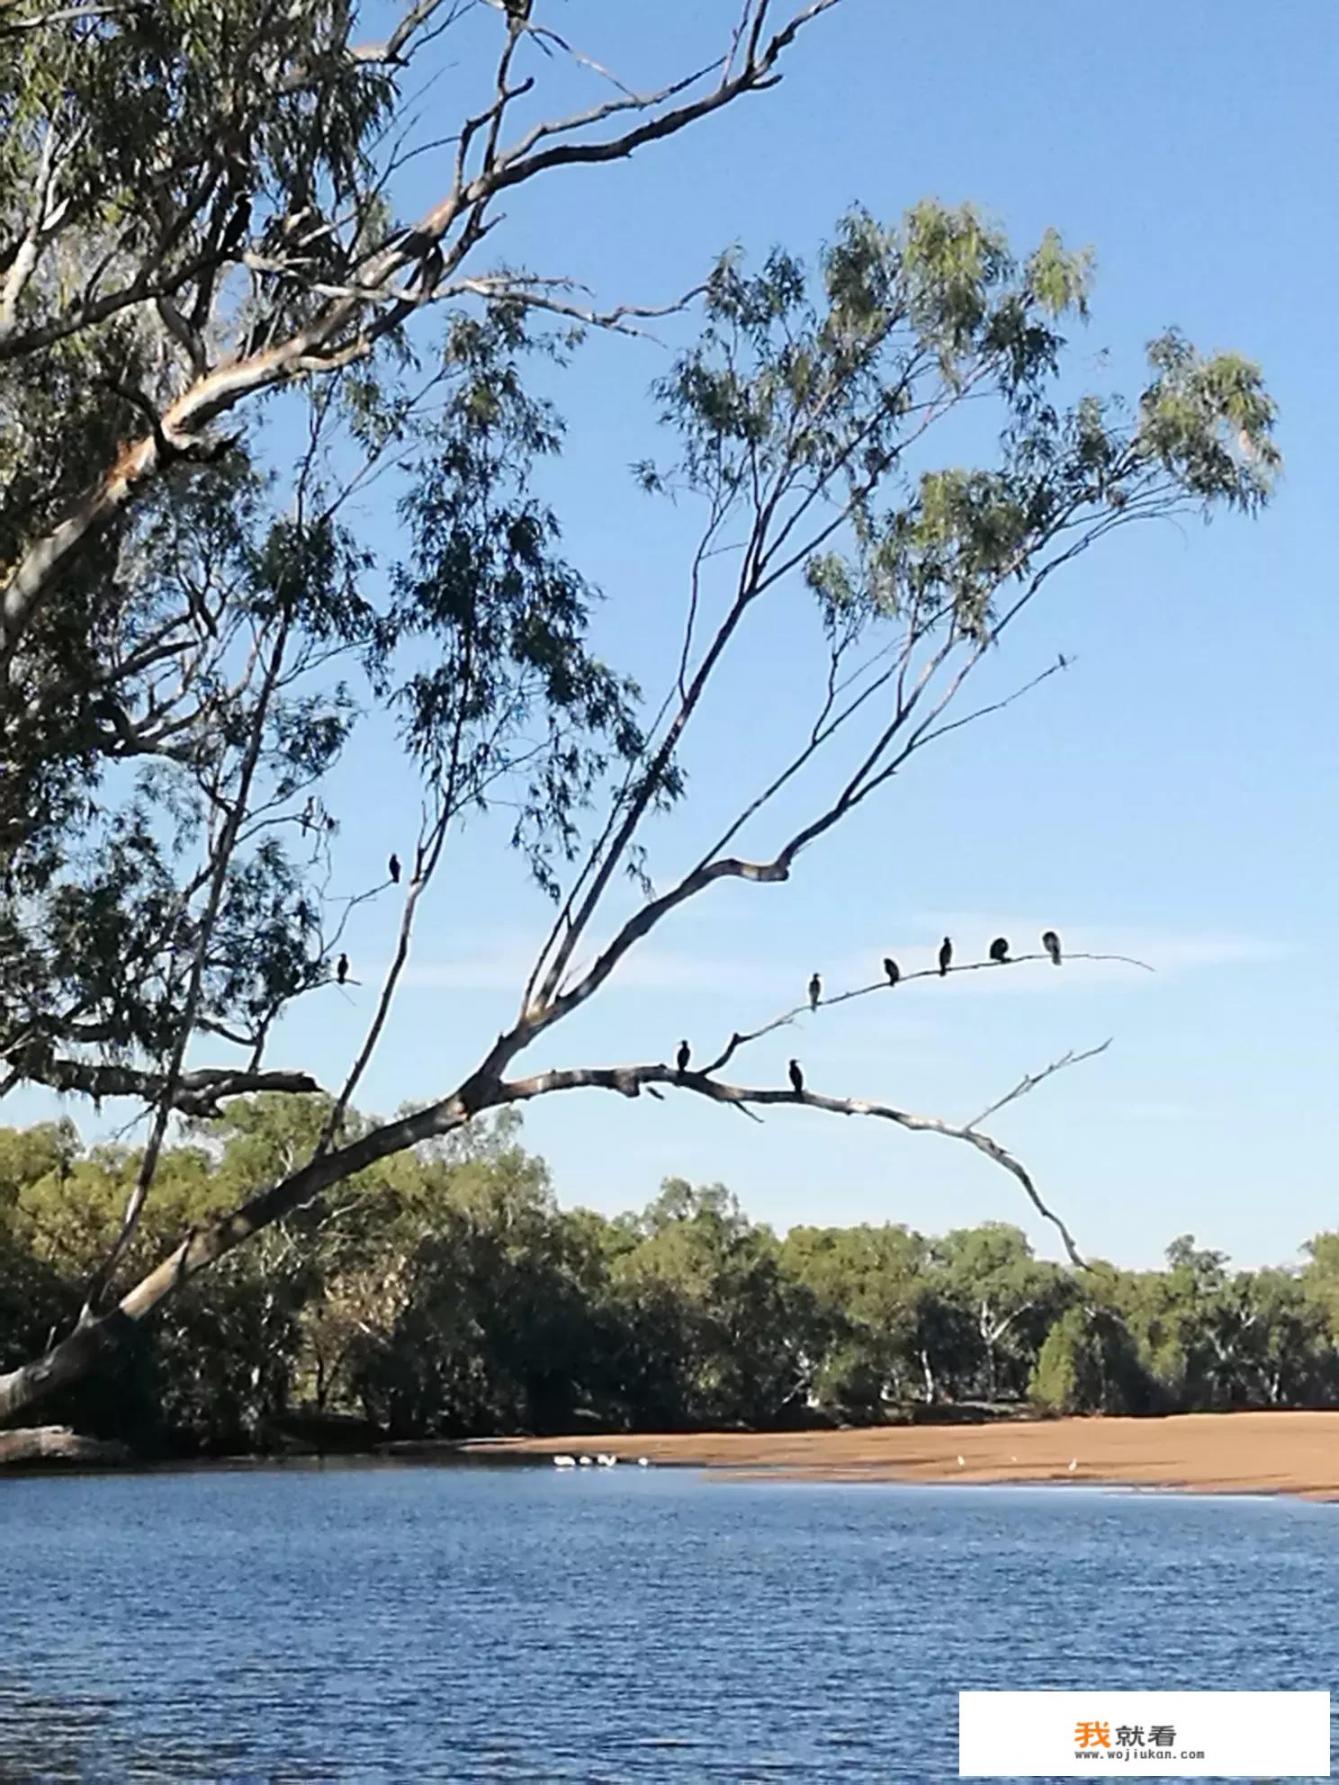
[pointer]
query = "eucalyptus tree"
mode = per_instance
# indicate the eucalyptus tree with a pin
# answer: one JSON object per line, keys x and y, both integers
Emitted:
{"x": 872, "y": 1289}
{"x": 717, "y": 1325}
{"x": 197, "y": 228}
{"x": 1012, "y": 1298}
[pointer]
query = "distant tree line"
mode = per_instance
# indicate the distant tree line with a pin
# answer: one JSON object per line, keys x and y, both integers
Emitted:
{"x": 445, "y": 1294}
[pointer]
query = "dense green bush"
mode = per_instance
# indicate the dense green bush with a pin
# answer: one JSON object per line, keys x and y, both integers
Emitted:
{"x": 447, "y": 1294}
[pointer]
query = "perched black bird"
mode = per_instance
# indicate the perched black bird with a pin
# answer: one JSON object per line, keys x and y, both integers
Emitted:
{"x": 341, "y": 969}
{"x": 238, "y": 226}
{"x": 393, "y": 868}
{"x": 890, "y": 967}
{"x": 945, "y": 956}
{"x": 999, "y": 949}
{"x": 796, "y": 1078}
{"x": 681, "y": 1058}
{"x": 815, "y": 991}
{"x": 1051, "y": 943}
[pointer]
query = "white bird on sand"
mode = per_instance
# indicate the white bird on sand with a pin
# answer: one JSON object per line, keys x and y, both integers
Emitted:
{"x": 562, "y": 1462}
{"x": 606, "y": 1459}
{"x": 962, "y": 1462}
{"x": 585, "y": 1462}
{"x": 643, "y": 1462}
{"x": 1073, "y": 1464}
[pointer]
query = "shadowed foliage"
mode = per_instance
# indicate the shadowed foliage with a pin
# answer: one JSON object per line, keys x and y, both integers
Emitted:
{"x": 447, "y": 1295}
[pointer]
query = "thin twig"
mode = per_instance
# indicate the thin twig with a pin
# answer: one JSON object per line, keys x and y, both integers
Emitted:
{"x": 1030, "y": 1080}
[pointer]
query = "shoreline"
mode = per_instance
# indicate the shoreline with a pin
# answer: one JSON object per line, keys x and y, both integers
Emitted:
{"x": 1295, "y": 1454}
{"x": 1261, "y": 1454}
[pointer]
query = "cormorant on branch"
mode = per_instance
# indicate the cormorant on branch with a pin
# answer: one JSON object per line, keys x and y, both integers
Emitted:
{"x": 890, "y": 967}
{"x": 341, "y": 969}
{"x": 682, "y": 1057}
{"x": 815, "y": 991}
{"x": 945, "y": 956}
{"x": 999, "y": 950}
{"x": 796, "y": 1078}
{"x": 1051, "y": 943}
{"x": 393, "y": 869}
{"x": 239, "y": 226}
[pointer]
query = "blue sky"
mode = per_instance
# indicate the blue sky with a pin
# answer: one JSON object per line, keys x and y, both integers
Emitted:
{"x": 1173, "y": 796}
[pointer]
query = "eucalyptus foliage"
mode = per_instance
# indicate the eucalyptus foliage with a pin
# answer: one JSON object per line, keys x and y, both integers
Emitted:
{"x": 452, "y": 1297}
{"x": 198, "y": 233}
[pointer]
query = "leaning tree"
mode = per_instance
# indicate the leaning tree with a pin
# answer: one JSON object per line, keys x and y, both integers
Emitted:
{"x": 198, "y": 226}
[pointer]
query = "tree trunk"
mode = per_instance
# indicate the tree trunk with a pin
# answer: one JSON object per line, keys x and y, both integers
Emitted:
{"x": 57, "y": 1444}
{"x": 66, "y": 1362}
{"x": 76, "y": 1355}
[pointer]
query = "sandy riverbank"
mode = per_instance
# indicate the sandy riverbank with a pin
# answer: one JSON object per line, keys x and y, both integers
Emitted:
{"x": 1221, "y": 1453}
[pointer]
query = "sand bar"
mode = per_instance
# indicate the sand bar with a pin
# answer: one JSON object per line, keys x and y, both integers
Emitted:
{"x": 1221, "y": 1453}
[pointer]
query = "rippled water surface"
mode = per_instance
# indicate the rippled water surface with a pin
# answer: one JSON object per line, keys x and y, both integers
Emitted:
{"x": 623, "y": 1624}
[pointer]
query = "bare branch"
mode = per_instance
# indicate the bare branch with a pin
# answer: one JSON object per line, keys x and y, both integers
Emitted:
{"x": 59, "y": 15}
{"x": 393, "y": 49}
{"x": 527, "y": 292}
{"x": 43, "y": 222}
{"x": 630, "y": 1081}
{"x": 1030, "y": 1080}
{"x": 544, "y": 34}
{"x": 738, "y": 1040}
{"x": 195, "y": 1093}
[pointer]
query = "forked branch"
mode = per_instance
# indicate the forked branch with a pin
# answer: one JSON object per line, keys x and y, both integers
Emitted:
{"x": 630, "y": 1081}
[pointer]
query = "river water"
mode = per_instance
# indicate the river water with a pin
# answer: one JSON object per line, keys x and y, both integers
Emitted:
{"x": 469, "y": 1623}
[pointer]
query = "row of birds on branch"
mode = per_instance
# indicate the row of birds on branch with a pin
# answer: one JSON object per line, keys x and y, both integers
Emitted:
{"x": 998, "y": 953}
